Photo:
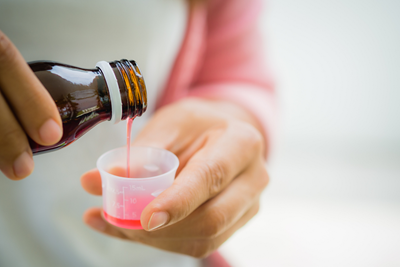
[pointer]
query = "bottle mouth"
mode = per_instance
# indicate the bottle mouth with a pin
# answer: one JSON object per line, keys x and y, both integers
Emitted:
{"x": 127, "y": 89}
{"x": 113, "y": 88}
{"x": 136, "y": 88}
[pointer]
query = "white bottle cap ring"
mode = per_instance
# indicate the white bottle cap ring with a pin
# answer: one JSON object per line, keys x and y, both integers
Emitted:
{"x": 115, "y": 95}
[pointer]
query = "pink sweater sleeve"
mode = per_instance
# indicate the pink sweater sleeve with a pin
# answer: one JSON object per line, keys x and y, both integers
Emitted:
{"x": 222, "y": 57}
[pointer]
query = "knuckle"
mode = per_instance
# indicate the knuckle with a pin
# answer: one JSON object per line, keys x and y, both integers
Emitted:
{"x": 214, "y": 223}
{"x": 7, "y": 50}
{"x": 248, "y": 137}
{"x": 252, "y": 137}
{"x": 214, "y": 173}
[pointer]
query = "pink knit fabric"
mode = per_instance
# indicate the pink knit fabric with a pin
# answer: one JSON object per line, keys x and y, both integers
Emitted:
{"x": 221, "y": 57}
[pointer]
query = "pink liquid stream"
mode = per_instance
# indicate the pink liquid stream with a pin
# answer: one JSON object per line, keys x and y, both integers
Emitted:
{"x": 128, "y": 145}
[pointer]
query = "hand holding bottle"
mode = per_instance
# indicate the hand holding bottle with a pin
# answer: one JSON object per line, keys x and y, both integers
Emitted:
{"x": 26, "y": 108}
{"x": 218, "y": 183}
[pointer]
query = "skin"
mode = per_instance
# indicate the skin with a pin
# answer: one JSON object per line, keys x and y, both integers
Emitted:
{"x": 219, "y": 181}
{"x": 26, "y": 109}
{"x": 219, "y": 144}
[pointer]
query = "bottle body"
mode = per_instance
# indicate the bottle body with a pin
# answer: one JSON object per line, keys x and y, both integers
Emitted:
{"x": 86, "y": 97}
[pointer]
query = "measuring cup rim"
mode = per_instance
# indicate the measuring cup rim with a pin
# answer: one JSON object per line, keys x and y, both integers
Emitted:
{"x": 143, "y": 178}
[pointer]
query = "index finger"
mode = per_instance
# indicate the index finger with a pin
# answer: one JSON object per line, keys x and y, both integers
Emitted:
{"x": 28, "y": 99}
{"x": 91, "y": 180}
{"x": 225, "y": 154}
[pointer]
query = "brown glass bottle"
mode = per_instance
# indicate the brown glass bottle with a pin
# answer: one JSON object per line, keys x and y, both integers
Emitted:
{"x": 85, "y": 97}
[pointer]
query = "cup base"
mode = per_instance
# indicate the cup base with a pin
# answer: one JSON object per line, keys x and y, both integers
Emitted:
{"x": 127, "y": 224}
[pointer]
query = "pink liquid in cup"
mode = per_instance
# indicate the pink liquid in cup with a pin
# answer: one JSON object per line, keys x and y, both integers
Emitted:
{"x": 127, "y": 224}
{"x": 129, "y": 216}
{"x": 127, "y": 206}
{"x": 152, "y": 170}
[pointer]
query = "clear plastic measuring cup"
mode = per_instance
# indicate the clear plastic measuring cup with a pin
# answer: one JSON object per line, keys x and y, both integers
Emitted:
{"x": 152, "y": 171}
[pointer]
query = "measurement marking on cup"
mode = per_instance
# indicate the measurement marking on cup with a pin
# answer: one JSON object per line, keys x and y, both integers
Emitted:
{"x": 133, "y": 200}
{"x": 116, "y": 191}
{"x": 123, "y": 197}
{"x": 117, "y": 205}
{"x": 136, "y": 188}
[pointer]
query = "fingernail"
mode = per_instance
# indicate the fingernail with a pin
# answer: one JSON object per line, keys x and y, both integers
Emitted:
{"x": 158, "y": 219}
{"x": 23, "y": 165}
{"x": 50, "y": 132}
{"x": 97, "y": 223}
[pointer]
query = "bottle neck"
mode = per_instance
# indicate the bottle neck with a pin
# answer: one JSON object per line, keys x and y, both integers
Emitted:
{"x": 127, "y": 89}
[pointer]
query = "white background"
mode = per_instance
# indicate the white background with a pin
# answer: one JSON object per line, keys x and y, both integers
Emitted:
{"x": 334, "y": 195}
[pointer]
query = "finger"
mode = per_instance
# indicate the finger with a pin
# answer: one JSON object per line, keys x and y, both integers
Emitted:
{"x": 15, "y": 155}
{"x": 198, "y": 248}
{"x": 184, "y": 149}
{"x": 91, "y": 182}
{"x": 175, "y": 127}
{"x": 156, "y": 134}
{"x": 206, "y": 174}
{"x": 28, "y": 99}
{"x": 218, "y": 214}
{"x": 221, "y": 212}
{"x": 93, "y": 217}
{"x": 189, "y": 151}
